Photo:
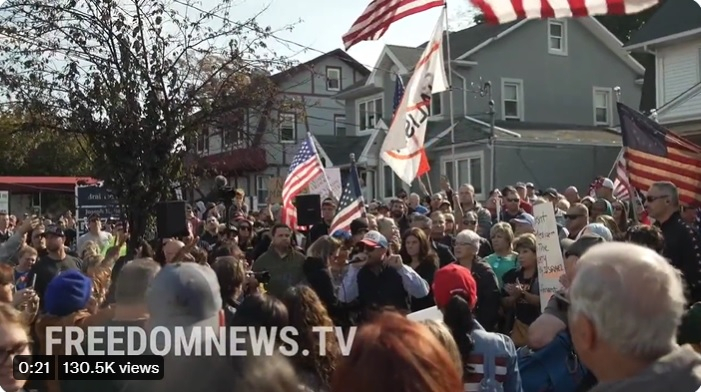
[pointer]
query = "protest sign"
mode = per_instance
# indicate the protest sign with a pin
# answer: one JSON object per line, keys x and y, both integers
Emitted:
{"x": 550, "y": 263}
{"x": 5, "y": 202}
{"x": 94, "y": 199}
{"x": 322, "y": 188}
{"x": 431, "y": 313}
{"x": 274, "y": 190}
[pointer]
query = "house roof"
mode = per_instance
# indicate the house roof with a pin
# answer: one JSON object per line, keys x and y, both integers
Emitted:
{"x": 406, "y": 55}
{"x": 343, "y": 56}
{"x": 673, "y": 18}
{"x": 338, "y": 149}
{"x": 468, "y": 39}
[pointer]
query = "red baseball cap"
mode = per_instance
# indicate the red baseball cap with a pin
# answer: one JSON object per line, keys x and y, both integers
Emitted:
{"x": 453, "y": 279}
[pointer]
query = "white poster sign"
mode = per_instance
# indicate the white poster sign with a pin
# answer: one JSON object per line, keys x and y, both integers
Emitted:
{"x": 321, "y": 188}
{"x": 550, "y": 264}
{"x": 431, "y": 313}
{"x": 5, "y": 202}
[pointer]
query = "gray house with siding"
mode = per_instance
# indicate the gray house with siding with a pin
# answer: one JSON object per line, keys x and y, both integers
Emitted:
{"x": 553, "y": 86}
{"x": 311, "y": 86}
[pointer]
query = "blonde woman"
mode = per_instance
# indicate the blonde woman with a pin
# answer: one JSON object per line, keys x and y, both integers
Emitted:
{"x": 504, "y": 259}
{"x": 320, "y": 256}
{"x": 442, "y": 333}
{"x": 15, "y": 340}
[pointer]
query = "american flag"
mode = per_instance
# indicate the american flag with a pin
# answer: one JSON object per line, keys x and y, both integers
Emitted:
{"x": 505, "y": 11}
{"x": 306, "y": 166}
{"x": 351, "y": 205}
{"x": 652, "y": 153}
{"x": 398, "y": 93}
{"x": 621, "y": 184}
{"x": 380, "y": 14}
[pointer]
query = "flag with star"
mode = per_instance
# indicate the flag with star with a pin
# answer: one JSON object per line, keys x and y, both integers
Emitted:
{"x": 351, "y": 205}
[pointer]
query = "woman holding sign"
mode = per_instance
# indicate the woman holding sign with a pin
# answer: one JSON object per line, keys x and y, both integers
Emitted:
{"x": 521, "y": 291}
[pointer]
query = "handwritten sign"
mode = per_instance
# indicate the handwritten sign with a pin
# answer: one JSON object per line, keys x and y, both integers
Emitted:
{"x": 320, "y": 187}
{"x": 275, "y": 190}
{"x": 550, "y": 264}
{"x": 431, "y": 313}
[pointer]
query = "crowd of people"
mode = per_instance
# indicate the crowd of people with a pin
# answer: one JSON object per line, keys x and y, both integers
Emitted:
{"x": 626, "y": 319}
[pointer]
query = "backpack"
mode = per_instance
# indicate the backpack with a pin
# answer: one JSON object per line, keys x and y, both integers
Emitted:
{"x": 553, "y": 368}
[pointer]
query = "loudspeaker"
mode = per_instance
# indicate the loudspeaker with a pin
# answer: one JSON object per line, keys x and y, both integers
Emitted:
{"x": 308, "y": 209}
{"x": 171, "y": 219}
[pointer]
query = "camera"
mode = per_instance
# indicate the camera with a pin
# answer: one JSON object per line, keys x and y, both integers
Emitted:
{"x": 261, "y": 277}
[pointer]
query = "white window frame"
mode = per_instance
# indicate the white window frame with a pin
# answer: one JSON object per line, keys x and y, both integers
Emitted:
{"x": 454, "y": 182}
{"x": 518, "y": 83}
{"x": 287, "y": 117}
{"x": 562, "y": 51}
{"x": 205, "y": 142}
{"x": 262, "y": 179}
{"x": 339, "y": 119}
{"x": 366, "y": 100}
{"x": 440, "y": 105}
{"x": 330, "y": 70}
{"x": 395, "y": 187}
{"x": 609, "y": 102}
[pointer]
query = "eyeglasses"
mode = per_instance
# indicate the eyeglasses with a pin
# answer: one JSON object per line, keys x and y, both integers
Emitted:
{"x": 650, "y": 199}
{"x": 513, "y": 200}
{"x": 572, "y": 216}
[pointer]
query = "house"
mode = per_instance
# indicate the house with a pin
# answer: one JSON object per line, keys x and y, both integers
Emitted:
{"x": 553, "y": 86}
{"x": 673, "y": 36}
{"x": 251, "y": 162}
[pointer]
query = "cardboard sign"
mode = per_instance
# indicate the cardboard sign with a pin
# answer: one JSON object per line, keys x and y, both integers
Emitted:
{"x": 274, "y": 190}
{"x": 431, "y": 313}
{"x": 550, "y": 264}
{"x": 322, "y": 188}
{"x": 5, "y": 202}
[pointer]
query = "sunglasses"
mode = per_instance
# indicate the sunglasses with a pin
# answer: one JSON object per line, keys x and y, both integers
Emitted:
{"x": 650, "y": 199}
{"x": 513, "y": 200}
{"x": 572, "y": 217}
{"x": 469, "y": 222}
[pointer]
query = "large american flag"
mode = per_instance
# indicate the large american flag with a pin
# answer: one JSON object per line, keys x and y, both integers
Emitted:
{"x": 398, "y": 93}
{"x": 380, "y": 14}
{"x": 306, "y": 166}
{"x": 505, "y": 11}
{"x": 351, "y": 205}
{"x": 653, "y": 153}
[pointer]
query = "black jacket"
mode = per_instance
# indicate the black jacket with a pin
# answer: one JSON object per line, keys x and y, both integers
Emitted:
{"x": 319, "y": 279}
{"x": 683, "y": 249}
{"x": 445, "y": 255}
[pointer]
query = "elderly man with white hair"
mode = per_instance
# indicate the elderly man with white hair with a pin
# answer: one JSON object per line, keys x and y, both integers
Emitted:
{"x": 626, "y": 304}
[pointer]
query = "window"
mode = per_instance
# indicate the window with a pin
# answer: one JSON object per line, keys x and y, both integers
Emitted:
{"x": 234, "y": 130}
{"x": 369, "y": 113}
{"x": 333, "y": 79}
{"x": 436, "y": 105}
{"x": 339, "y": 125}
{"x": 288, "y": 128}
{"x": 512, "y": 99}
{"x": 262, "y": 188}
{"x": 465, "y": 169}
{"x": 557, "y": 37}
{"x": 602, "y": 106}
{"x": 203, "y": 141}
{"x": 391, "y": 183}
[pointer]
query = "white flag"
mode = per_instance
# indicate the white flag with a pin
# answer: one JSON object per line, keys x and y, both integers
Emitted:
{"x": 403, "y": 148}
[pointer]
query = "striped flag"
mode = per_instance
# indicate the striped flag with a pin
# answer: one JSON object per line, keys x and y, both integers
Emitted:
{"x": 621, "y": 184}
{"x": 653, "y": 153}
{"x": 505, "y": 11}
{"x": 351, "y": 205}
{"x": 398, "y": 93}
{"x": 306, "y": 167}
{"x": 380, "y": 14}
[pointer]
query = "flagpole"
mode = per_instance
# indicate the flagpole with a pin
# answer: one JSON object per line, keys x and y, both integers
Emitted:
{"x": 354, "y": 172}
{"x": 450, "y": 90}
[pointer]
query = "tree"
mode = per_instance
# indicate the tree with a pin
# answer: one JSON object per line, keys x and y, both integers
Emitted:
{"x": 137, "y": 80}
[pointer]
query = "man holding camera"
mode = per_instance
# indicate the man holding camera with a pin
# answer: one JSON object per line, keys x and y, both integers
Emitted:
{"x": 282, "y": 261}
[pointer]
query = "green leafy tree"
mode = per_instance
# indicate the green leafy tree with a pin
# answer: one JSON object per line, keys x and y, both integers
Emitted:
{"x": 136, "y": 80}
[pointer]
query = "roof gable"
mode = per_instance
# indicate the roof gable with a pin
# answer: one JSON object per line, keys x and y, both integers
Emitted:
{"x": 340, "y": 54}
{"x": 672, "y": 19}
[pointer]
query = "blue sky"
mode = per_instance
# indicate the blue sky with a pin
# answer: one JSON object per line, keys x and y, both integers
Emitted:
{"x": 323, "y": 22}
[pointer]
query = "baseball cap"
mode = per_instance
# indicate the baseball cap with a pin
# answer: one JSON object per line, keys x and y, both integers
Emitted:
{"x": 374, "y": 239}
{"x": 520, "y": 185}
{"x": 607, "y": 183}
{"x": 341, "y": 235}
{"x": 54, "y": 230}
{"x": 358, "y": 225}
{"x": 525, "y": 219}
{"x": 552, "y": 192}
{"x": 565, "y": 244}
{"x": 421, "y": 210}
{"x": 530, "y": 185}
{"x": 582, "y": 244}
{"x": 453, "y": 279}
{"x": 184, "y": 295}
{"x": 328, "y": 202}
{"x": 67, "y": 293}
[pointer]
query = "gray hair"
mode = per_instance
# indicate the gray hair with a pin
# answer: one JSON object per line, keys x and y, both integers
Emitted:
{"x": 423, "y": 221}
{"x": 469, "y": 237}
{"x": 134, "y": 280}
{"x": 610, "y": 282}
{"x": 668, "y": 188}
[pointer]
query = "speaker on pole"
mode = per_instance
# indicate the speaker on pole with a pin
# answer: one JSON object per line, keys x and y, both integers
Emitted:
{"x": 308, "y": 209}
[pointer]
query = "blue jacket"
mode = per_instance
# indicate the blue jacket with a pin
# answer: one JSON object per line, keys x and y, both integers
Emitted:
{"x": 493, "y": 356}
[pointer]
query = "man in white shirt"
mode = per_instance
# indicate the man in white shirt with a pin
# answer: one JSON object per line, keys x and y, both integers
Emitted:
{"x": 96, "y": 234}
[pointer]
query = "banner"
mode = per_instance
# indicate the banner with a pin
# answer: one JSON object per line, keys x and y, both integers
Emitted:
{"x": 274, "y": 190}
{"x": 94, "y": 199}
{"x": 550, "y": 264}
{"x": 320, "y": 187}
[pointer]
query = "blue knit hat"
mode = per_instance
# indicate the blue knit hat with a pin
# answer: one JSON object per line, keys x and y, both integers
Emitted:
{"x": 67, "y": 293}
